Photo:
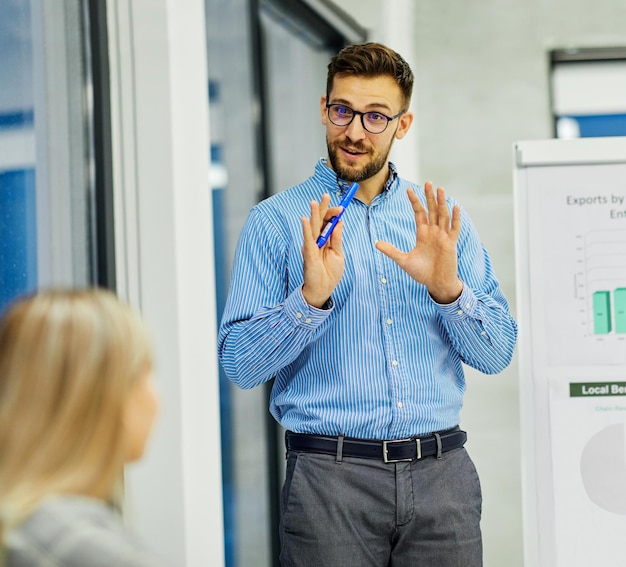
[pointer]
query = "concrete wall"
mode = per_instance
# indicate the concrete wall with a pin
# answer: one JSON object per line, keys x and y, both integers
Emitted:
{"x": 482, "y": 83}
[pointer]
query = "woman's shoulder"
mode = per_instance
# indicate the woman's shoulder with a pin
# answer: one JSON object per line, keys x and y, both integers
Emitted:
{"x": 74, "y": 531}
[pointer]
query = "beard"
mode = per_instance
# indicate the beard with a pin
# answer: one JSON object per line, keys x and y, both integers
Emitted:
{"x": 352, "y": 173}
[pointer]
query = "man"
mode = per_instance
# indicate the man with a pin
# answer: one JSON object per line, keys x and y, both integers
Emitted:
{"x": 365, "y": 339}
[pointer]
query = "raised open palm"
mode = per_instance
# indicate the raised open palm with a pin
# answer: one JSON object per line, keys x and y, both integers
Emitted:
{"x": 433, "y": 260}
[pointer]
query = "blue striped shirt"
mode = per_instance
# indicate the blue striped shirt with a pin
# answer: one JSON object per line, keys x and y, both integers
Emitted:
{"x": 383, "y": 361}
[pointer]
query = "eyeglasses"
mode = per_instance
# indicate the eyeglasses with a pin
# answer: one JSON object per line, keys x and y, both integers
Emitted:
{"x": 373, "y": 122}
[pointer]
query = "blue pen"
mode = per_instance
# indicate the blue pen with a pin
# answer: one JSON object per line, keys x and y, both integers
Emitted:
{"x": 332, "y": 223}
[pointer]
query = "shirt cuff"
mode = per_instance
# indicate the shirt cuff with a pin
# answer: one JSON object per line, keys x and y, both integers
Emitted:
{"x": 462, "y": 308}
{"x": 301, "y": 314}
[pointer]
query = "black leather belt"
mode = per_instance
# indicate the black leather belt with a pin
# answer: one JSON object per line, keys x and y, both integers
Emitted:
{"x": 388, "y": 451}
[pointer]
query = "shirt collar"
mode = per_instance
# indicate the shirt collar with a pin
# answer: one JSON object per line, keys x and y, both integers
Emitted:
{"x": 393, "y": 175}
{"x": 329, "y": 177}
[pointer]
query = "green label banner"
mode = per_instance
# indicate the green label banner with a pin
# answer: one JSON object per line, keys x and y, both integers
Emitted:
{"x": 595, "y": 389}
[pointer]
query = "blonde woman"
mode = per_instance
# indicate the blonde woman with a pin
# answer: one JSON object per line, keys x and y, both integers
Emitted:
{"x": 76, "y": 404}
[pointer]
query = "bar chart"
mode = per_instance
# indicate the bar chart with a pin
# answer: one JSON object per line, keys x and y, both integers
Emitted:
{"x": 609, "y": 315}
{"x": 604, "y": 268}
{"x": 579, "y": 276}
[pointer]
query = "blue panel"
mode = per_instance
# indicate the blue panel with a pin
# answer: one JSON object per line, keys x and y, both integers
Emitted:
{"x": 18, "y": 234}
{"x": 600, "y": 125}
{"x": 18, "y": 119}
{"x": 221, "y": 288}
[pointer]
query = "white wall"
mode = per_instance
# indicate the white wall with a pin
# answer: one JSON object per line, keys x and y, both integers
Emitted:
{"x": 482, "y": 83}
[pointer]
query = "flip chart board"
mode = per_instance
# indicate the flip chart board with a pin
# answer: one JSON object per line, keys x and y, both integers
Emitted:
{"x": 570, "y": 211}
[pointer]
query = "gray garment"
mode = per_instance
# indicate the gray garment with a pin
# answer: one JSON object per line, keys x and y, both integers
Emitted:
{"x": 367, "y": 513}
{"x": 75, "y": 531}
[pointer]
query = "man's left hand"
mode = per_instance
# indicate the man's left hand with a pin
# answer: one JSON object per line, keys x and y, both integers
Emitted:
{"x": 433, "y": 261}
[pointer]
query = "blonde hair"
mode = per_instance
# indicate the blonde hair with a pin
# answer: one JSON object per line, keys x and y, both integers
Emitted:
{"x": 67, "y": 362}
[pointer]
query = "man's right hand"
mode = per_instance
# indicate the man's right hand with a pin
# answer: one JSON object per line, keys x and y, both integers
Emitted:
{"x": 323, "y": 267}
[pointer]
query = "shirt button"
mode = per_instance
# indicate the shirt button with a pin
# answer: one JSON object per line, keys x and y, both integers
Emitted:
{"x": 299, "y": 315}
{"x": 483, "y": 332}
{"x": 307, "y": 320}
{"x": 394, "y": 363}
{"x": 467, "y": 306}
{"x": 400, "y": 404}
{"x": 389, "y": 321}
{"x": 460, "y": 311}
{"x": 383, "y": 280}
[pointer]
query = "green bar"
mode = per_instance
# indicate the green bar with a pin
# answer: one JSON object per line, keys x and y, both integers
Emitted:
{"x": 601, "y": 312}
{"x": 596, "y": 389}
{"x": 619, "y": 299}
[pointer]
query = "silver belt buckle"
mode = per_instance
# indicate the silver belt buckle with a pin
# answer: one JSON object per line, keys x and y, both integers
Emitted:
{"x": 418, "y": 450}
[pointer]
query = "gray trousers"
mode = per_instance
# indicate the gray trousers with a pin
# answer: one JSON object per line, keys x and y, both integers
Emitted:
{"x": 365, "y": 513}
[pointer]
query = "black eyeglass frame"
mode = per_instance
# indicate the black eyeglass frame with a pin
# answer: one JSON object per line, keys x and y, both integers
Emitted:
{"x": 362, "y": 115}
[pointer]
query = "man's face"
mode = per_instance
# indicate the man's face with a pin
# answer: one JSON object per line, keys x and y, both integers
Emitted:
{"x": 355, "y": 154}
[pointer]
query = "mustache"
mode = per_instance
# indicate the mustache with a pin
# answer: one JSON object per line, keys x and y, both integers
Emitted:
{"x": 351, "y": 146}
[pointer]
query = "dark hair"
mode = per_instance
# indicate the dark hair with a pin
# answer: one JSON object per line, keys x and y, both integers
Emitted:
{"x": 371, "y": 60}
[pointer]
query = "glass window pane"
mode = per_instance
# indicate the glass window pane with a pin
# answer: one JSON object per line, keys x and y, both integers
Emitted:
{"x": 294, "y": 120}
{"x": 18, "y": 234}
{"x": 591, "y": 125}
{"x": 236, "y": 187}
{"x": 45, "y": 188}
{"x": 589, "y": 92}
